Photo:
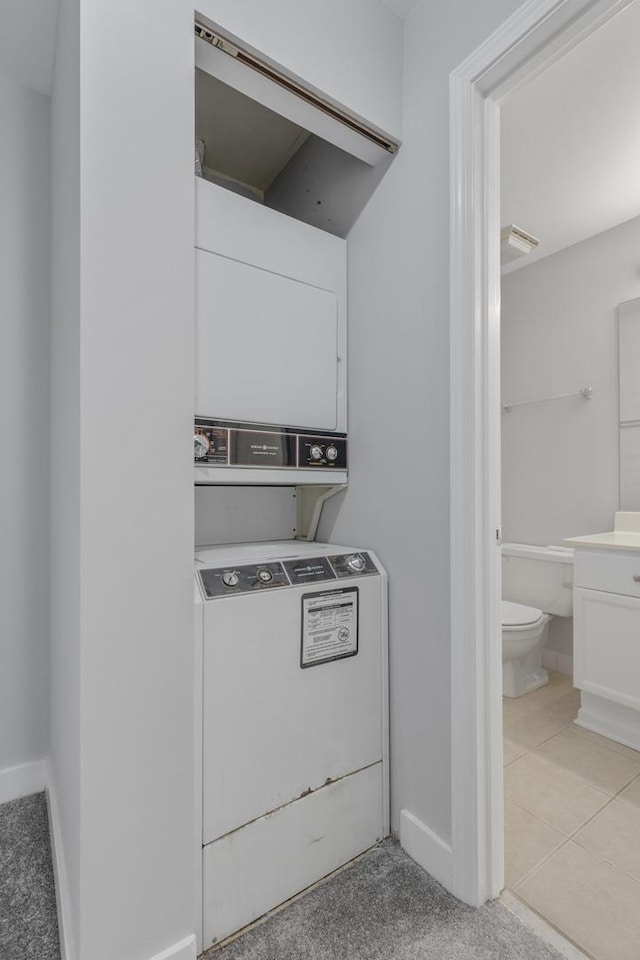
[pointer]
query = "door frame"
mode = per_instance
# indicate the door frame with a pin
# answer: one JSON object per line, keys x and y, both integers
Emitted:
{"x": 538, "y": 34}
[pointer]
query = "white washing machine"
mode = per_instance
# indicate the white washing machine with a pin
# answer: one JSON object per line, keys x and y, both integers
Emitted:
{"x": 292, "y": 654}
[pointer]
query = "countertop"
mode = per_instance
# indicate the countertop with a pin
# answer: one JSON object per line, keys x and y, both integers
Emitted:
{"x": 614, "y": 540}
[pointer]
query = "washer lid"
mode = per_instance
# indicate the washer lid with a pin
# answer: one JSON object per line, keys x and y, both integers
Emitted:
{"x": 517, "y": 615}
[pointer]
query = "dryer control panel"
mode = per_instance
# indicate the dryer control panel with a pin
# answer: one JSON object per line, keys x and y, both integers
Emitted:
{"x": 219, "y": 443}
{"x": 301, "y": 571}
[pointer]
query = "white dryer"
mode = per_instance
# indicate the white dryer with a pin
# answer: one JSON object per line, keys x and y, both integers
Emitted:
{"x": 292, "y": 643}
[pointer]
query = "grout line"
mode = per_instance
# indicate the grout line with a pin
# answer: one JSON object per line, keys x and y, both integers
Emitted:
{"x": 572, "y": 838}
{"x": 553, "y": 935}
{"x": 541, "y": 744}
{"x": 541, "y": 863}
{"x": 536, "y": 816}
{"x": 606, "y": 746}
{"x": 610, "y": 796}
{"x": 569, "y": 836}
{"x": 567, "y": 946}
{"x": 573, "y": 773}
{"x": 622, "y": 789}
{"x": 592, "y": 817}
{"x": 614, "y": 866}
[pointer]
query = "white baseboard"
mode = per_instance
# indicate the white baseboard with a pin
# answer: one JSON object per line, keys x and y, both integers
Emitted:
{"x": 20, "y": 781}
{"x": 562, "y": 662}
{"x": 184, "y": 950}
{"x": 67, "y": 948}
{"x": 426, "y": 848}
{"x": 611, "y": 720}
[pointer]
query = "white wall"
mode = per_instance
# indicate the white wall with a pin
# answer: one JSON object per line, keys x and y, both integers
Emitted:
{"x": 560, "y": 333}
{"x": 27, "y": 42}
{"x": 349, "y": 50}
{"x": 122, "y": 608}
{"x": 122, "y": 407}
{"x": 560, "y": 461}
{"x": 398, "y": 497}
{"x": 65, "y": 557}
{"x": 24, "y": 388}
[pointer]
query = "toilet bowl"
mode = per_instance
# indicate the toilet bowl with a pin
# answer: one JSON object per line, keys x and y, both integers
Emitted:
{"x": 524, "y": 634}
{"x": 537, "y": 584}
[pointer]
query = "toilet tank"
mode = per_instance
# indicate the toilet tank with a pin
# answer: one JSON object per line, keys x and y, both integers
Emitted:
{"x": 539, "y": 577}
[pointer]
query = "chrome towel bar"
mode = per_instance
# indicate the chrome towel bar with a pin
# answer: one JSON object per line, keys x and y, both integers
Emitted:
{"x": 586, "y": 394}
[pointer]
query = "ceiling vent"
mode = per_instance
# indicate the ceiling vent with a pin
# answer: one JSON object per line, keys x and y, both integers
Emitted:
{"x": 515, "y": 243}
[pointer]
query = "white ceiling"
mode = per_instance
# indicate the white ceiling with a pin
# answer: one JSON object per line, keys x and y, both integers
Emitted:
{"x": 571, "y": 141}
{"x": 400, "y": 7}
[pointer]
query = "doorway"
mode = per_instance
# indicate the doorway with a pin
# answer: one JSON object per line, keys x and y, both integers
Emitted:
{"x": 536, "y": 36}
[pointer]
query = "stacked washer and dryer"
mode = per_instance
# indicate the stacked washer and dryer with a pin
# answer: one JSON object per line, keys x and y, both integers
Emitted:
{"x": 291, "y": 636}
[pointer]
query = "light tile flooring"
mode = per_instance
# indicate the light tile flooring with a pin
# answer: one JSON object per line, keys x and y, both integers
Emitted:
{"x": 572, "y": 822}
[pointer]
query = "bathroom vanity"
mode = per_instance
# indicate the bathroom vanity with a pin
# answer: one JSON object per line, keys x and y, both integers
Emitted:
{"x": 606, "y": 630}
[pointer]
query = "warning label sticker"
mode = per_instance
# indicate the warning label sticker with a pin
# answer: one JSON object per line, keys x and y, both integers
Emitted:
{"x": 329, "y": 626}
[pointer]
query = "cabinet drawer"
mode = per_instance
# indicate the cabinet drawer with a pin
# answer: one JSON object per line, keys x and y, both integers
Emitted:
{"x": 606, "y": 655}
{"x": 608, "y": 572}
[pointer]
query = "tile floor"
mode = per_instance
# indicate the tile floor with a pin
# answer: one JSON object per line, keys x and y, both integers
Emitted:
{"x": 572, "y": 822}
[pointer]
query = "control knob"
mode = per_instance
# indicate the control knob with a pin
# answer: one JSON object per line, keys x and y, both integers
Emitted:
{"x": 316, "y": 451}
{"x": 201, "y": 446}
{"x": 356, "y": 562}
{"x": 265, "y": 575}
{"x": 332, "y": 453}
{"x": 230, "y": 578}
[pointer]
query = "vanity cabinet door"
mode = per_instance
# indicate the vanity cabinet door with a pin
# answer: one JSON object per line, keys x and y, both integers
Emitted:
{"x": 607, "y": 645}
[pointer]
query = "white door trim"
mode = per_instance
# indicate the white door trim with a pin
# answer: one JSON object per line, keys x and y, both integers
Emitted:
{"x": 538, "y": 33}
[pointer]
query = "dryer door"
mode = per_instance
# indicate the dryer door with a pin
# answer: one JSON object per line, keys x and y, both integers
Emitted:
{"x": 267, "y": 346}
{"x": 271, "y": 302}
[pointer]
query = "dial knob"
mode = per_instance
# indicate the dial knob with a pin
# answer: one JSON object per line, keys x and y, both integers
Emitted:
{"x": 332, "y": 453}
{"x": 316, "y": 451}
{"x": 265, "y": 575}
{"x": 356, "y": 562}
{"x": 200, "y": 446}
{"x": 230, "y": 578}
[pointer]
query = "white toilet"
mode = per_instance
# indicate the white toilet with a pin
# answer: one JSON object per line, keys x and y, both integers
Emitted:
{"x": 537, "y": 583}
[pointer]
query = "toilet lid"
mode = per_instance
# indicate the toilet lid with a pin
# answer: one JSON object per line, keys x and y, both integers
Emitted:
{"x": 517, "y": 615}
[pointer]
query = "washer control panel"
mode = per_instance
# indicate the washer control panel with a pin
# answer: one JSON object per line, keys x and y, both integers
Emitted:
{"x": 250, "y": 578}
{"x": 309, "y": 570}
{"x": 226, "y": 581}
{"x": 353, "y": 565}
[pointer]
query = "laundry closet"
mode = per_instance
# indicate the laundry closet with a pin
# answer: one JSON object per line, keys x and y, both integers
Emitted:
{"x": 291, "y": 641}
